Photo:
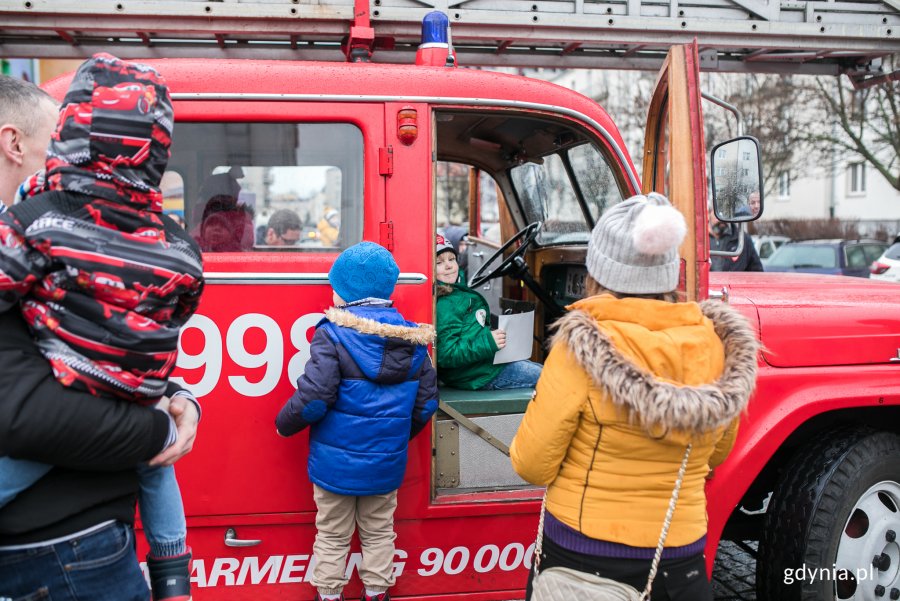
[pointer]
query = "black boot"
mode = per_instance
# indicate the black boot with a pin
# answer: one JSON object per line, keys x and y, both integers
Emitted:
{"x": 170, "y": 577}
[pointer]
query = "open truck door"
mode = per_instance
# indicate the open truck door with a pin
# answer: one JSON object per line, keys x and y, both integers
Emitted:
{"x": 675, "y": 158}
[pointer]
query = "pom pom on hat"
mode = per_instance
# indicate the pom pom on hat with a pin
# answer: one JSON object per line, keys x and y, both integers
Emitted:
{"x": 659, "y": 228}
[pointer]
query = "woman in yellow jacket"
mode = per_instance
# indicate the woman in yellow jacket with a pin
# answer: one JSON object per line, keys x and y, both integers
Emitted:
{"x": 632, "y": 378}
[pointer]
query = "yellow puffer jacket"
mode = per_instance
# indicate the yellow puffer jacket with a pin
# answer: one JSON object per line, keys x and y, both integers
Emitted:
{"x": 627, "y": 384}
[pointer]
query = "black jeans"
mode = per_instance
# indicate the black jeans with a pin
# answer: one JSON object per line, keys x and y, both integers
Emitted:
{"x": 676, "y": 580}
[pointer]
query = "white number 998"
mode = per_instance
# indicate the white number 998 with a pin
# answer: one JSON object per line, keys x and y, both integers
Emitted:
{"x": 210, "y": 356}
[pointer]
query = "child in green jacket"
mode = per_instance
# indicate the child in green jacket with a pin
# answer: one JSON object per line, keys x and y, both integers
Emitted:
{"x": 465, "y": 343}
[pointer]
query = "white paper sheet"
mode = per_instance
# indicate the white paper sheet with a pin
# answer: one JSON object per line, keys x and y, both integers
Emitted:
{"x": 519, "y": 330}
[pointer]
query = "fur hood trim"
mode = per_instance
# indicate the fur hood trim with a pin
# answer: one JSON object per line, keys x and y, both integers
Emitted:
{"x": 660, "y": 406}
{"x": 442, "y": 289}
{"x": 422, "y": 334}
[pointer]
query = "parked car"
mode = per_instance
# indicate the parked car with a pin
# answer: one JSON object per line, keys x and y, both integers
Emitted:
{"x": 767, "y": 245}
{"x": 838, "y": 257}
{"x": 887, "y": 266}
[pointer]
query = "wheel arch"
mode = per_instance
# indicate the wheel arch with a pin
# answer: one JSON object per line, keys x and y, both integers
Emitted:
{"x": 738, "y": 526}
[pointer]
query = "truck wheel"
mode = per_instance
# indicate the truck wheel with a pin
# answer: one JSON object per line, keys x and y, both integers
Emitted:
{"x": 832, "y": 529}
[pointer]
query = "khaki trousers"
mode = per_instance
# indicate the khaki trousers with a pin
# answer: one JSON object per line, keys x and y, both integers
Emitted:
{"x": 337, "y": 517}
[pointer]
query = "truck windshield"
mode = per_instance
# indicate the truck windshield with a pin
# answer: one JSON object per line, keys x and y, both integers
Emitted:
{"x": 568, "y": 191}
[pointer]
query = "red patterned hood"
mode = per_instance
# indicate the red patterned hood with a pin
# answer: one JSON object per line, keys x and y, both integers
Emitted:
{"x": 113, "y": 135}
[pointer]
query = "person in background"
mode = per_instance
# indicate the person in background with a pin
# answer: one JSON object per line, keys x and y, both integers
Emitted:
{"x": 107, "y": 283}
{"x": 466, "y": 345}
{"x": 753, "y": 204}
{"x": 634, "y": 377}
{"x": 368, "y": 388}
{"x": 225, "y": 226}
{"x": 725, "y": 236}
{"x": 284, "y": 228}
{"x": 27, "y": 118}
{"x": 329, "y": 227}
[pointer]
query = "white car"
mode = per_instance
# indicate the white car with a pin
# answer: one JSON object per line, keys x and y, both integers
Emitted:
{"x": 766, "y": 245}
{"x": 887, "y": 266}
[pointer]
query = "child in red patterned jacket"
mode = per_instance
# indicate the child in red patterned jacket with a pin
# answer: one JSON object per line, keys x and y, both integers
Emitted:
{"x": 103, "y": 279}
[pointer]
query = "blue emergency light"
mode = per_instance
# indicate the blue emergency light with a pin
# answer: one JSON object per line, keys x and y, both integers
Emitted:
{"x": 436, "y": 48}
{"x": 434, "y": 29}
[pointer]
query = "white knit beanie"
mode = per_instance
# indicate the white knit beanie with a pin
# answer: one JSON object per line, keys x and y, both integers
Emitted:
{"x": 634, "y": 247}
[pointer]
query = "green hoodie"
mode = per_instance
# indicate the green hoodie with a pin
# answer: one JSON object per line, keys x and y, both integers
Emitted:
{"x": 465, "y": 347}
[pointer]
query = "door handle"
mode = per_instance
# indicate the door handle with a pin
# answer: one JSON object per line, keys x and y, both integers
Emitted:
{"x": 231, "y": 540}
{"x": 479, "y": 254}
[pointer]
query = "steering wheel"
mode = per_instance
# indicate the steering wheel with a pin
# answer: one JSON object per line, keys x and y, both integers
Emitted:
{"x": 511, "y": 264}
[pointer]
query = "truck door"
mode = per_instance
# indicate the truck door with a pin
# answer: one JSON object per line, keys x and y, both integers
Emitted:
{"x": 675, "y": 158}
{"x": 272, "y": 191}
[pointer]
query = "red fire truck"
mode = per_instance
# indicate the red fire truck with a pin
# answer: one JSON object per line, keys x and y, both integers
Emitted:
{"x": 815, "y": 473}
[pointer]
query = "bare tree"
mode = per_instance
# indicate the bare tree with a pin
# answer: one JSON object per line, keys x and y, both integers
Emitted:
{"x": 772, "y": 109}
{"x": 804, "y": 124}
{"x": 866, "y": 121}
{"x": 771, "y": 106}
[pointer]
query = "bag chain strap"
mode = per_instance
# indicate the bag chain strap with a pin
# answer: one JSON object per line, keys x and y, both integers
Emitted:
{"x": 667, "y": 522}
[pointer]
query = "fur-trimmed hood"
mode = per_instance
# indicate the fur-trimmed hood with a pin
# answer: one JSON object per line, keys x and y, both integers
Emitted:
{"x": 660, "y": 406}
{"x": 419, "y": 334}
{"x": 386, "y": 347}
{"x": 442, "y": 289}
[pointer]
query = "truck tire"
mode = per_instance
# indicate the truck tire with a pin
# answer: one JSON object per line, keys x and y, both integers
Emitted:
{"x": 835, "y": 511}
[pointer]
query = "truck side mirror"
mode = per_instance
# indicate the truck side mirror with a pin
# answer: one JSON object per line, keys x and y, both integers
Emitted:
{"x": 736, "y": 179}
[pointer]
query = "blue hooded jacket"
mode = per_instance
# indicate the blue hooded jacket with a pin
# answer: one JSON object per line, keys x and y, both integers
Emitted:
{"x": 368, "y": 388}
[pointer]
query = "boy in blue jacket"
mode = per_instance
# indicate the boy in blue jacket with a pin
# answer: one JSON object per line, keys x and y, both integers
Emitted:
{"x": 367, "y": 389}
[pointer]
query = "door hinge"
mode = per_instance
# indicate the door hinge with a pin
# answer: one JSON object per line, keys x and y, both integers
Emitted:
{"x": 386, "y": 161}
{"x": 386, "y": 233}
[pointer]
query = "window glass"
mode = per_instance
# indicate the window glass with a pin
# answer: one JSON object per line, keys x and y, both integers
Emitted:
{"x": 804, "y": 255}
{"x": 893, "y": 252}
{"x": 856, "y": 256}
{"x": 453, "y": 183}
{"x": 873, "y": 252}
{"x": 857, "y": 177}
{"x": 490, "y": 207}
{"x": 547, "y": 194}
{"x": 784, "y": 184}
{"x": 271, "y": 186}
{"x": 451, "y": 193}
{"x": 596, "y": 179}
{"x": 172, "y": 187}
